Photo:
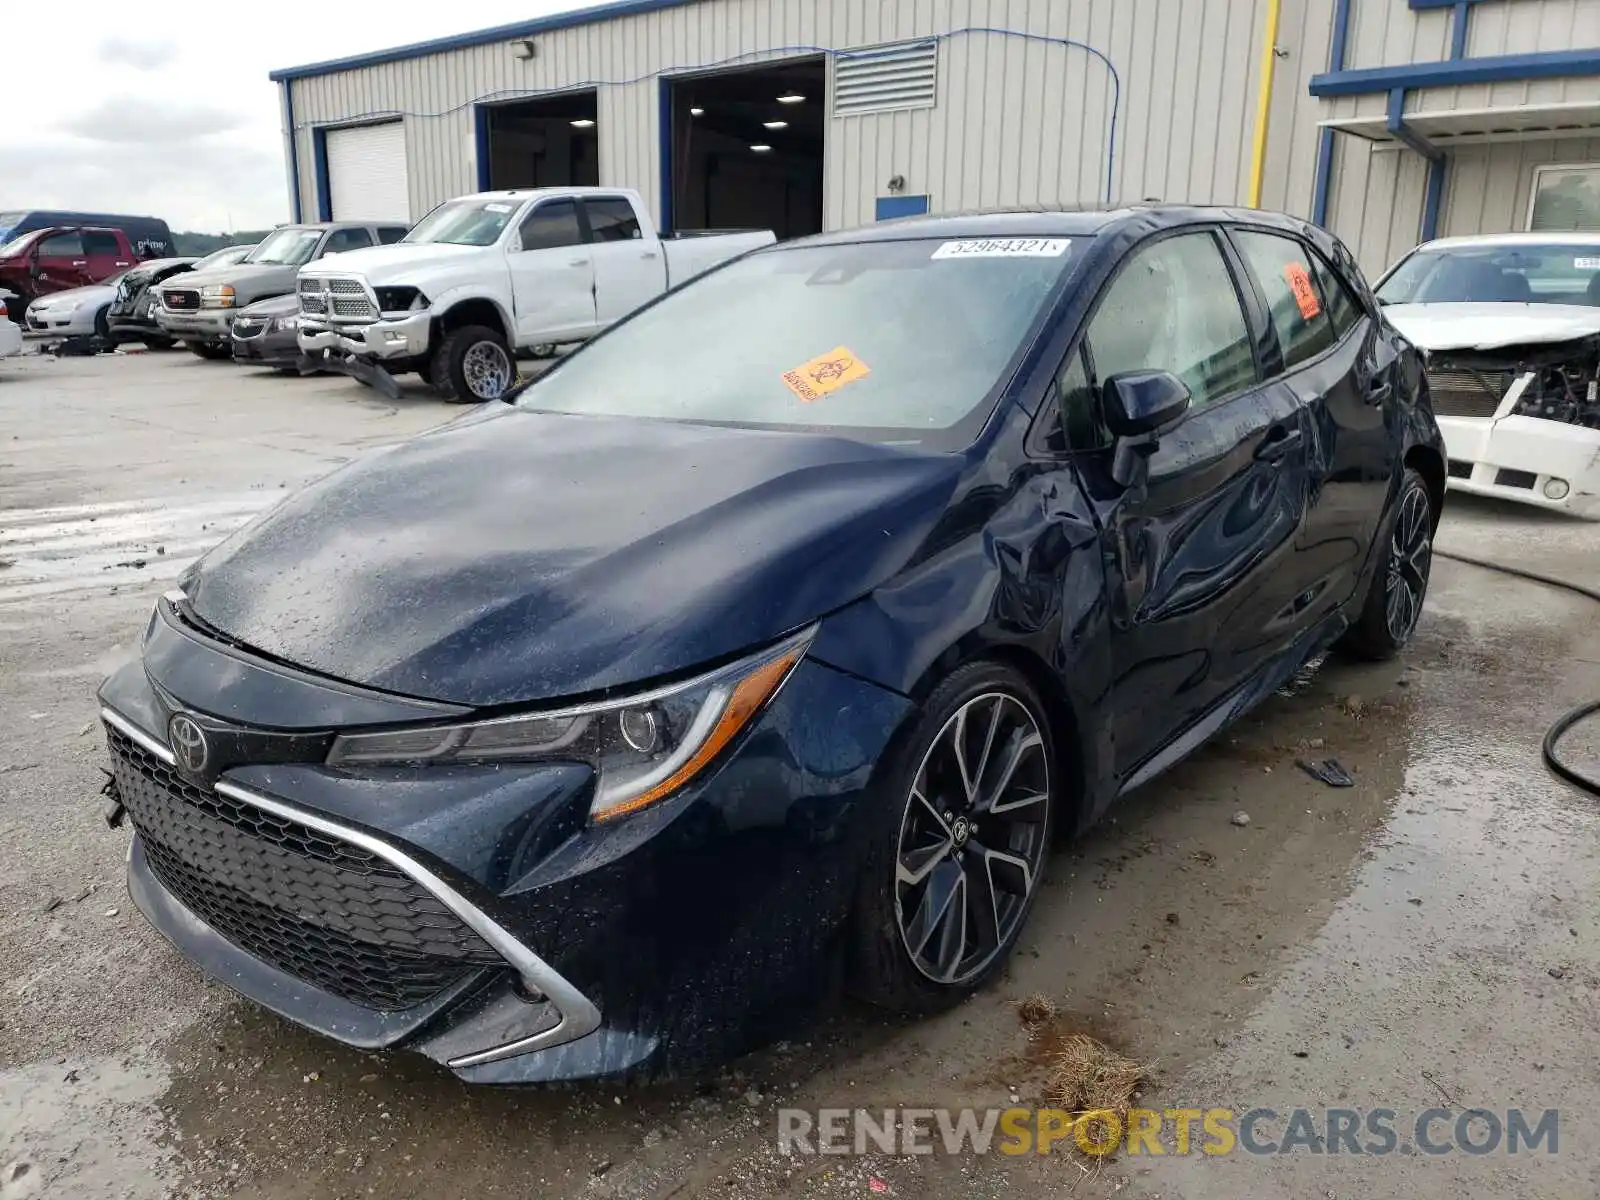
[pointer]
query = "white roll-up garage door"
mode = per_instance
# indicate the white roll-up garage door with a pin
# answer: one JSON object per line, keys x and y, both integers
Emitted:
{"x": 367, "y": 173}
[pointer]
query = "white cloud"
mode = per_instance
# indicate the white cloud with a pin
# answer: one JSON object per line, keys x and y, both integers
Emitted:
{"x": 186, "y": 127}
{"x": 140, "y": 55}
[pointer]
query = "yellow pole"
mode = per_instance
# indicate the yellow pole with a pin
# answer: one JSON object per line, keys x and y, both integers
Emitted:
{"x": 1258, "y": 156}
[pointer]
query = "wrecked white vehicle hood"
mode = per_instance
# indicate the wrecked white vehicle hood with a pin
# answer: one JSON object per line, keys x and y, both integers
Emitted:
{"x": 1492, "y": 326}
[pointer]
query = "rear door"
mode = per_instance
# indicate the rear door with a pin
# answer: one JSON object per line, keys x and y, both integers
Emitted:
{"x": 1327, "y": 357}
{"x": 628, "y": 270}
{"x": 353, "y": 237}
{"x": 61, "y": 264}
{"x": 1200, "y": 558}
{"x": 106, "y": 255}
{"x": 552, "y": 274}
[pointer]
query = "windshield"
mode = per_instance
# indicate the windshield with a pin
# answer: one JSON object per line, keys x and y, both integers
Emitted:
{"x": 225, "y": 257}
{"x": 889, "y": 341}
{"x": 19, "y": 245}
{"x": 286, "y": 247}
{"x": 8, "y": 222}
{"x": 1526, "y": 273}
{"x": 464, "y": 223}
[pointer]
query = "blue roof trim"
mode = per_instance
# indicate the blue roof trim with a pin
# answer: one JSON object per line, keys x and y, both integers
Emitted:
{"x": 1553, "y": 64}
{"x": 1423, "y": 4}
{"x": 482, "y": 37}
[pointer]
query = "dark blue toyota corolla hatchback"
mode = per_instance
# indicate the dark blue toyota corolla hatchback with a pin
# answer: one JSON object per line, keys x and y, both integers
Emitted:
{"x": 775, "y": 631}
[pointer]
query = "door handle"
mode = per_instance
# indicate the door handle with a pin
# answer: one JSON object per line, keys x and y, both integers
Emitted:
{"x": 578, "y": 262}
{"x": 78, "y": 262}
{"x": 1378, "y": 391}
{"x": 123, "y": 264}
{"x": 1279, "y": 441}
{"x": 648, "y": 254}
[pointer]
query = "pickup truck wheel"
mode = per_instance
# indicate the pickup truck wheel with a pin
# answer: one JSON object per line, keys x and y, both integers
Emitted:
{"x": 210, "y": 350}
{"x": 472, "y": 365}
{"x": 544, "y": 350}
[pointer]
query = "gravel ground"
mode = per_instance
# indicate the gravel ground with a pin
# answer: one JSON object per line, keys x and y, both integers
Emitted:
{"x": 1425, "y": 938}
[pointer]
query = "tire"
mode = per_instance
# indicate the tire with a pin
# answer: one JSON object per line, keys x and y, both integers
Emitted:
{"x": 908, "y": 959}
{"x": 1394, "y": 599}
{"x": 159, "y": 343}
{"x": 209, "y": 350}
{"x": 543, "y": 350}
{"x": 102, "y": 326}
{"x": 468, "y": 362}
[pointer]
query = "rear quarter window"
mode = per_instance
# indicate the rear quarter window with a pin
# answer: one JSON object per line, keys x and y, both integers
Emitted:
{"x": 1285, "y": 273}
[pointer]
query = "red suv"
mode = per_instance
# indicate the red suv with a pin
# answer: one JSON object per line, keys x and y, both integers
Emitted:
{"x": 53, "y": 260}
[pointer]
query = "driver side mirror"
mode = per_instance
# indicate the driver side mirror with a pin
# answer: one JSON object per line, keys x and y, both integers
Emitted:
{"x": 1139, "y": 407}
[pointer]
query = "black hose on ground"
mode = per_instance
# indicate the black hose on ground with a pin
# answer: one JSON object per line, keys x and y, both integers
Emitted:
{"x": 1564, "y": 723}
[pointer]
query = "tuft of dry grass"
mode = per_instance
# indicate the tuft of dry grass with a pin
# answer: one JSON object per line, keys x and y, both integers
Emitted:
{"x": 1036, "y": 1010}
{"x": 1087, "y": 1075}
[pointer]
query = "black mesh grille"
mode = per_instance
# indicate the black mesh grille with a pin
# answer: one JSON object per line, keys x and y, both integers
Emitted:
{"x": 317, "y": 907}
{"x": 1468, "y": 393}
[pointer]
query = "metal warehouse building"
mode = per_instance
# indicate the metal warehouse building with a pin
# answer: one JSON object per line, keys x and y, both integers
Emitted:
{"x": 1386, "y": 120}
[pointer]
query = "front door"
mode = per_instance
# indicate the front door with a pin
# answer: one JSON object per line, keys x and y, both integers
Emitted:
{"x": 628, "y": 271}
{"x": 1200, "y": 556}
{"x": 552, "y": 275}
{"x": 103, "y": 250}
{"x": 61, "y": 264}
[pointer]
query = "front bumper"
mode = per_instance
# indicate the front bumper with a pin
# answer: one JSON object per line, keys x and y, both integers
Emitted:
{"x": 397, "y": 338}
{"x": 10, "y": 339}
{"x": 1526, "y": 459}
{"x": 207, "y": 324}
{"x": 274, "y": 348}
{"x": 665, "y": 942}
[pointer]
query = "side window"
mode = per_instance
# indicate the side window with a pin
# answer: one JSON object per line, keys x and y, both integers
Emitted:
{"x": 551, "y": 225}
{"x": 346, "y": 239}
{"x": 62, "y": 245}
{"x": 388, "y": 235}
{"x": 612, "y": 219}
{"x": 1344, "y": 310}
{"x": 1173, "y": 307}
{"x": 1283, "y": 268}
{"x": 100, "y": 242}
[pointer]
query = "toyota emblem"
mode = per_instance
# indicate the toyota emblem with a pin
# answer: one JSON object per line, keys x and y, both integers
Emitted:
{"x": 189, "y": 745}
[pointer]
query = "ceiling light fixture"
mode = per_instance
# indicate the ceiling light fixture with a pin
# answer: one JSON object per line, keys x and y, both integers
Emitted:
{"x": 583, "y": 123}
{"x": 791, "y": 98}
{"x": 775, "y": 124}
{"x": 761, "y": 149}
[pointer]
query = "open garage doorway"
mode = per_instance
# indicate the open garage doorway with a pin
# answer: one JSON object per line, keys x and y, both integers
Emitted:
{"x": 747, "y": 148}
{"x": 550, "y": 141}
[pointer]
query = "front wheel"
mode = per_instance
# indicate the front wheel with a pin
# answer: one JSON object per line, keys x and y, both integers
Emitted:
{"x": 1393, "y": 604}
{"x": 152, "y": 342}
{"x": 958, "y": 848}
{"x": 472, "y": 365}
{"x": 210, "y": 350}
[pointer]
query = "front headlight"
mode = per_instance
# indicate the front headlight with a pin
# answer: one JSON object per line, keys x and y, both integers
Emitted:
{"x": 400, "y": 299}
{"x": 643, "y": 748}
{"x": 217, "y": 295}
{"x": 285, "y": 324}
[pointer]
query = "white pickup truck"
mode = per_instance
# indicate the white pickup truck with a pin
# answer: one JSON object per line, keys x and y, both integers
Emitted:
{"x": 483, "y": 276}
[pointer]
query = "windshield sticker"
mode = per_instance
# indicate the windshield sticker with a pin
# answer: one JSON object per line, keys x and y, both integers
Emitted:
{"x": 1011, "y": 247}
{"x": 1586, "y": 264}
{"x": 1305, "y": 296}
{"x": 497, "y": 208}
{"x": 825, "y": 373}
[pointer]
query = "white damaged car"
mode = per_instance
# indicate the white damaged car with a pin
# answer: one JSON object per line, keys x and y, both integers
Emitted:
{"x": 1511, "y": 326}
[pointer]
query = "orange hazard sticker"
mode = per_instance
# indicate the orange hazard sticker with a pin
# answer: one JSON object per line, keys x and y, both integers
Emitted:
{"x": 825, "y": 373}
{"x": 1305, "y": 295}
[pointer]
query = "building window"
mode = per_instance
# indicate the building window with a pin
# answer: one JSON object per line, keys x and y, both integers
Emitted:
{"x": 1565, "y": 197}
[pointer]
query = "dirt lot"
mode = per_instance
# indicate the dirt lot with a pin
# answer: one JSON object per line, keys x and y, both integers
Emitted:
{"x": 1426, "y": 938}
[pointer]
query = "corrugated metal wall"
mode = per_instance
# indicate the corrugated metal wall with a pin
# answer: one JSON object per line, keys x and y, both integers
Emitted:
{"x": 1018, "y": 120}
{"x": 1377, "y": 197}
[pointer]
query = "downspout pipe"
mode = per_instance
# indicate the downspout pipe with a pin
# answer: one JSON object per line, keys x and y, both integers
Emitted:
{"x": 1336, "y": 57}
{"x": 294, "y": 150}
{"x": 1269, "y": 57}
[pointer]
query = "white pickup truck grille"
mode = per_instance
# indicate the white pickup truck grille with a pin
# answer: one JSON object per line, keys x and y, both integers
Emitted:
{"x": 340, "y": 299}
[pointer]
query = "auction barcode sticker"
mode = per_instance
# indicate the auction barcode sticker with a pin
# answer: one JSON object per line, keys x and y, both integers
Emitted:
{"x": 1586, "y": 264}
{"x": 1009, "y": 247}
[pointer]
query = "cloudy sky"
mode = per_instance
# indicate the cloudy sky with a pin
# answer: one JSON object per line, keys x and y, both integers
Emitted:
{"x": 164, "y": 109}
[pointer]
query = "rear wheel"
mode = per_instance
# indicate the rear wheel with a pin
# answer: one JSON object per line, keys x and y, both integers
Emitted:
{"x": 473, "y": 364}
{"x": 1393, "y": 606}
{"x": 210, "y": 350}
{"x": 151, "y": 342}
{"x": 959, "y": 847}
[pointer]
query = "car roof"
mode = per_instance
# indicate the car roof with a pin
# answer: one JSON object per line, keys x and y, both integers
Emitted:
{"x": 521, "y": 194}
{"x": 1488, "y": 240}
{"x": 1063, "y": 221}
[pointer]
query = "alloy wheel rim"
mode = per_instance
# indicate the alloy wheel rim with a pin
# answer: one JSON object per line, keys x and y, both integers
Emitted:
{"x": 972, "y": 838}
{"x": 487, "y": 369}
{"x": 1410, "y": 558}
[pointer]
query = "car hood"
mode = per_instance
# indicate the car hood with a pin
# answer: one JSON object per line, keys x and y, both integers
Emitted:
{"x": 515, "y": 556}
{"x": 381, "y": 264}
{"x": 242, "y": 276}
{"x": 276, "y": 306}
{"x": 79, "y": 295}
{"x": 1491, "y": 326}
